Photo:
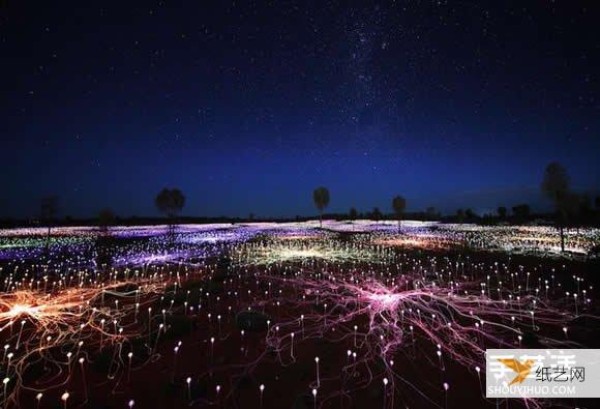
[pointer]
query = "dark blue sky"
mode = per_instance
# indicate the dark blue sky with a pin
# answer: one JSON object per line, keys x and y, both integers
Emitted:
{"x": 248, "y": 106}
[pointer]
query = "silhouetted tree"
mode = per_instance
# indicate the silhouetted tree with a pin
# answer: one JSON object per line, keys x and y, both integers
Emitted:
{"x": 399, "y": 205}
{"x": 321, "y": 199}
{"x": 48, "y": 212}
{"x": 431, "y": 213}
{"x": 502, "y": 211}
{"x": 106, "y": 218}
{"x": 596, "y": 216}
{"x": 555, "y": 186}
{"x": 376, "y": 214}
{"x": 575, "y": 209}
{"x": 104, "y": 249}
{"x": 460, "y": 215}
{"x": 521, "y": 212}
{"x": 170, "y": 202}
{"x": 470, "y": 214}
{"x": 353, "y": 214}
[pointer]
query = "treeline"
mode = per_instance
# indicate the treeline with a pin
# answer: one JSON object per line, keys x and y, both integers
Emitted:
{"x": 571, "y": 209}
{"x": 519, "y": 214}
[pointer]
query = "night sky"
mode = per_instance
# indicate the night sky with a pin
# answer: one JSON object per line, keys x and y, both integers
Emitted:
{"x": 248, "y": 106}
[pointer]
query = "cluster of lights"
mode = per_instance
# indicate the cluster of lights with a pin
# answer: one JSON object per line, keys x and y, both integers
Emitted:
{"x": 302, "y": 250}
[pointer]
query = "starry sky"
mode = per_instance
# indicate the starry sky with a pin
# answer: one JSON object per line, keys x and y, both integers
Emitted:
{"x": 247, "y": 106}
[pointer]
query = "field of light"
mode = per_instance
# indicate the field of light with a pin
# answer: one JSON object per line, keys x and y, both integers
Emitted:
{"x": 224, "y": 314}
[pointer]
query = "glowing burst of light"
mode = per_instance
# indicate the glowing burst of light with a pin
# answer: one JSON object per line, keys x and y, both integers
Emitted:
{"x": 20, "y": 309}
{"x": 68, "y": 318}
{"x": 384, "y": 302}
